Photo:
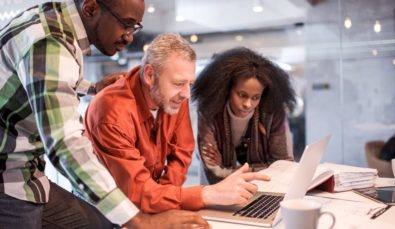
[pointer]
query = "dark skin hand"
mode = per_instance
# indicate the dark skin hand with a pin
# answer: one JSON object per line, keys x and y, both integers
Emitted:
{"x": 108, "y": 80}
{"x": 212, "y": 158}
{"x": 211, "y": 155}
{"x": 172, "y": 219}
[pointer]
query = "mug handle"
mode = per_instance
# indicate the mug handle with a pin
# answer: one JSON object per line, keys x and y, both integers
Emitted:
{"x": 331, "y": 215}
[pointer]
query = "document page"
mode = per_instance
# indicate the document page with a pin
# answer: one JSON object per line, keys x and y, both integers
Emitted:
{"x": 350, "y": 214}
{"x": 282, "y": 173}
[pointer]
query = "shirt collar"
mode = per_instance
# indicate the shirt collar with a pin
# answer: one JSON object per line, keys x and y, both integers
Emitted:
{"x": 74, "y": 20}
{"x": 137, "y": 90}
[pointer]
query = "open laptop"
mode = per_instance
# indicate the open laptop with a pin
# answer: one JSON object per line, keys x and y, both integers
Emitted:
{"x": 263, "y": 208}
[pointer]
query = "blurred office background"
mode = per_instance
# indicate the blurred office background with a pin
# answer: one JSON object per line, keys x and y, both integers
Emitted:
{"x": 340, "y": 55}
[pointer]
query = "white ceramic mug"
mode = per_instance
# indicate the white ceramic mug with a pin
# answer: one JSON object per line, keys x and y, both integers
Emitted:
{"x": 302, "y": 214}
{"x": 393, "y": 166}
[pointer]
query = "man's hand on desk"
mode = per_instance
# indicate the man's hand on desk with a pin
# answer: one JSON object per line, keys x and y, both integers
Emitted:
{"x": 172, "y": 219}
{"x": 234, "y": 189}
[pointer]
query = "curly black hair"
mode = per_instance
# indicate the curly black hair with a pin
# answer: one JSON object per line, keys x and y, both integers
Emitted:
{"x": 213, "y": 85}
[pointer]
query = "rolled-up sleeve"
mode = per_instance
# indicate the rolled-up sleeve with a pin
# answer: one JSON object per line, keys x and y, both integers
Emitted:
{"x": 117, "y": 149}
{"x": 206, "y": 136}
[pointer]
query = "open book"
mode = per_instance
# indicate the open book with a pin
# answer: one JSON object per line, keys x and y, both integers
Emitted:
{"x": 328, "y": 177}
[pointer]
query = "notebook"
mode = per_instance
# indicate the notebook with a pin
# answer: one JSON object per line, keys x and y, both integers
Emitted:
{"x": 263, "y": 208}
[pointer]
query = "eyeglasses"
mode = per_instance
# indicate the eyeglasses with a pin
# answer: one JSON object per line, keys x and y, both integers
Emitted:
{"x": 129, "y": 27}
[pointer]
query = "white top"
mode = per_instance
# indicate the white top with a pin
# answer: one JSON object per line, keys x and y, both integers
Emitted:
{"x": 238, "y": 125}
{"x": 154, "y": 113}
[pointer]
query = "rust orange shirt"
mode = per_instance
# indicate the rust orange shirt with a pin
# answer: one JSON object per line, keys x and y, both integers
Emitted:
{"x": 149, "y": 162}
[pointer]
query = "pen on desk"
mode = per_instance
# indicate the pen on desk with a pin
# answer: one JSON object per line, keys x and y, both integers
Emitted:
{"x": 380, "y": 212}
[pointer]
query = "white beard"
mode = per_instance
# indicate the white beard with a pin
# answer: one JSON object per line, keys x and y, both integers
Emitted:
{"x": 159, "y": 99}
{"x": 169, "y": 110}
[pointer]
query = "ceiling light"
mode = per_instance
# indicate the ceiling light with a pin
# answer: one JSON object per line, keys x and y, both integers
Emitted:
{"x": 115, "y": 57}
{"x": 180, "y": 18}
{"x": 194, "y": 38}
{"x": 393, "y": 61}
{"x": 145, "y": 47}
{"x": 347, "y": 23}
{"x": 151, "y": 8}
{"x": 284, "y": 66}
{"x": 122, "y": 61}
{"x": 375, "y": 52}
{"x": 257, "y": 8}
{"x": 377, "y": 27}
{"x": 239, "y": 38}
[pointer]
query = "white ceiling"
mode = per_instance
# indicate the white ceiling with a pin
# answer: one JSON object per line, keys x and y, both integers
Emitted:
{"x": 208, "y": 16}
{"x": 219, "y": 17}
{"x": 233, "y": 16}
{"x": 202, "y": 16}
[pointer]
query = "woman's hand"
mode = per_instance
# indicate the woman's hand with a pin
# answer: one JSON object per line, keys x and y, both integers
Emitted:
{"x": 211, "y": 156}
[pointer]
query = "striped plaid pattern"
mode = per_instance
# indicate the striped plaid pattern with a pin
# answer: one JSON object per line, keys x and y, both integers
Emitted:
{"x": 41, "y": 57}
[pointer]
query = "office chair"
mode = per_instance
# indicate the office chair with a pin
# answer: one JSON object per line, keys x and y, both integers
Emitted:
{"x": 372, "y": 151}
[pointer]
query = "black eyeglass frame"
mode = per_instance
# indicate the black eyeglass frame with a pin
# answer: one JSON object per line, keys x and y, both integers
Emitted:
{"x": 130, "y": 29}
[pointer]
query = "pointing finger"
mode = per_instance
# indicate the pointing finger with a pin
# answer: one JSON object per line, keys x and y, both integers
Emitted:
{"x": 255, "y": 176}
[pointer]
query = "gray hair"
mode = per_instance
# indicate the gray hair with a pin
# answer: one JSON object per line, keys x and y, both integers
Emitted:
{"x": 162, "y": 47}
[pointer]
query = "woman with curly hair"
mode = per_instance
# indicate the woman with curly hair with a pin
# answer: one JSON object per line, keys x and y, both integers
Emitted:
{"x": 241, "y": 101}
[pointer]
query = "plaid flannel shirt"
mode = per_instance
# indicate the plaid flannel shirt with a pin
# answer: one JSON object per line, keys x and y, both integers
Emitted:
{"x": 41, "y": 60}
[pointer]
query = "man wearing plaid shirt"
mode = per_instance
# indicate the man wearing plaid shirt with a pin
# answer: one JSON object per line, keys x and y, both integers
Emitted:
{"x": 41, "y": 65}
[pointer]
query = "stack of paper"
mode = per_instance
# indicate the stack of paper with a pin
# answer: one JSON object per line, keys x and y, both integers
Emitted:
{"x": 350, "y": 177}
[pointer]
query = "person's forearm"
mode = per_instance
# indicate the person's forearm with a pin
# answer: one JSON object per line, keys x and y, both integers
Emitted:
{"x": 209, "y": 195}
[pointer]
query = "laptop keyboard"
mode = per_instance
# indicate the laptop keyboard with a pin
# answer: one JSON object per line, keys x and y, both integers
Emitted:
{"x": 261, "y": 208}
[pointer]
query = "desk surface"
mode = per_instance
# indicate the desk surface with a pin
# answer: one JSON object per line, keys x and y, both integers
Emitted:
{"x": 349, "y": 214}
{"x": 385, "y": 221}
